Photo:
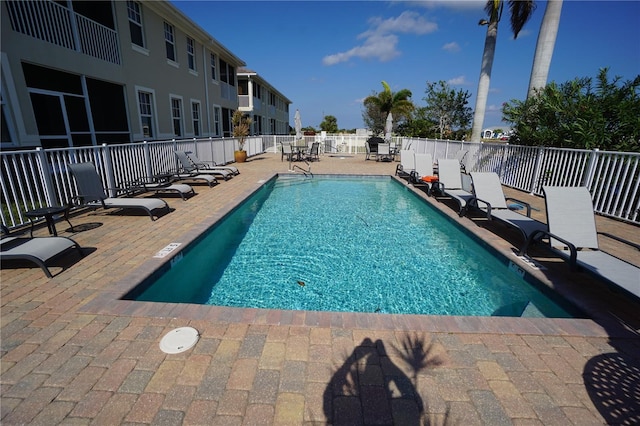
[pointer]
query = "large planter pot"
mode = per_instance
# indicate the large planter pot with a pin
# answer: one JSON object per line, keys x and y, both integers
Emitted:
{"x": 240, "y": 156}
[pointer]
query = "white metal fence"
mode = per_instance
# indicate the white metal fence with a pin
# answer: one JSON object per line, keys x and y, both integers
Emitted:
{"x": 36, "y": 178}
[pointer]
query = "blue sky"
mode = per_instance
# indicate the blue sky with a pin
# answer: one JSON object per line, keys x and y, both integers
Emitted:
{"x": 327, "y": 56}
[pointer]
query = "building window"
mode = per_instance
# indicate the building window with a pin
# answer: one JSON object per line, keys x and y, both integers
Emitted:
{"x": 227, "y": 73}
{"x": 176, "y": 116}
{"x": 257, "y": 91}
{"x": 214, "y": 67}
{"x": 191, "y": 54}
{"x": 169, "y": 42}
{"x": 135, "y": 23}
{"x": 195, "y": 115}
{"x": 146, "y": 113}
{"x": 217, "y": 114}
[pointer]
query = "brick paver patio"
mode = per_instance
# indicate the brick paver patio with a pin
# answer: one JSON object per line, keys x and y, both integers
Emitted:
{"x": 73, "y": 353}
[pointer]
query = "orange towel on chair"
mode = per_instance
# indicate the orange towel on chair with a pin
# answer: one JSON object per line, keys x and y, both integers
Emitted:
{"x": 429, "y": 179}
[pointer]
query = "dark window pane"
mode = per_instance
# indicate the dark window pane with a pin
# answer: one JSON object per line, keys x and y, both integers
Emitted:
{"x": 54, "y": 143}
{"x": 99, "y": 11}
{"x": 81, "y": 139}
{"x": 107, "y": 106}
{"x": 46, "y": 78}
{"x": 170, "y": 51}
{"x": 6, "y": 136}
{"x": 76, "y": 114}
{"x": 113, "y": 138}
{"x": 48, "y": 114}
{"x": 136, "y": 34}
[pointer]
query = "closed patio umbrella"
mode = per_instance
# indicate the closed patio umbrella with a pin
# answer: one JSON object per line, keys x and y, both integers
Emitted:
{"x": 388, "y": 127}
{"x": 297, "y": 122}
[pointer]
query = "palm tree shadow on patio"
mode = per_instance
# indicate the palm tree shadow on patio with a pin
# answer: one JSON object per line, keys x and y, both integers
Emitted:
{"x": 612, "y": 381}
{"x": 368, "y": 388}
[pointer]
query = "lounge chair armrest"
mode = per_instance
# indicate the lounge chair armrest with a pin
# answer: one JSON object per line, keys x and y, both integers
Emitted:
{"x": 524, "y": 203}
{"x": 473, "y": 202}
{"x": 80, "y": 201}
{"x": 539, "y": 234}
{"x": 622, "y": 240}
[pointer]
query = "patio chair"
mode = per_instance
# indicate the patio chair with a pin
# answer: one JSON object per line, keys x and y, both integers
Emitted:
{"x": 286, "y": 151}
{"x": 371, "y": 146}
{"x": 38, "y": 250}
{"x": 489, "y": 198}
{"x": 573, "y": 236}
{"x": 210, "y": 164}
{"x": 384, "y": 152}
{"x": 92, "y": 194}
{"x": 450, "y": 183}
{"x": 314, "y": 152}
{"x": 407, "y": 163}
{"x": 188, "y": 166}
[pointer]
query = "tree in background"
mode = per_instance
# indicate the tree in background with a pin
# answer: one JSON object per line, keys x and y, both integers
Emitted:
{"x": 418, "y": 125}
{"x": 329, "y": 124}
{"x": 544, "y": 46}
{"x": 379, "y": 105}
{"x": 520, "y": 12}
{"x": 447, "y": 107}
{"x": 579, "y": 114}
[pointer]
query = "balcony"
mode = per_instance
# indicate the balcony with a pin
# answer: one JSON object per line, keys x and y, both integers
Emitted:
{"x": 56, "y": 24}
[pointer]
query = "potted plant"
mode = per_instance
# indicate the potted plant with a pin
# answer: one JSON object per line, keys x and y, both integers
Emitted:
{"x": 241, "y": 126}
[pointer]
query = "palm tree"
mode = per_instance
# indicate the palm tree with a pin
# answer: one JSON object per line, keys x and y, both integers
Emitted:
{"x": 544, "y": 46}
{"x": 521, "y": 12}
{"x": 378, "y": 107}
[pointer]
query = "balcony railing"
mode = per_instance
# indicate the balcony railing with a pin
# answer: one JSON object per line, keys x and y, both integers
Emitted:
{"x": 36, "y": 178}
{"x": 53, "y": 23}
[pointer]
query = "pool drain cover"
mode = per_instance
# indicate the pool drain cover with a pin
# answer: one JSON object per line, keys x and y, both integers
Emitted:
{"x": 179, "y": 340}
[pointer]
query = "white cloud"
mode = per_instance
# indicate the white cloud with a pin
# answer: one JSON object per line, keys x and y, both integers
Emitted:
{"x": 450, "y": 4}
{"x": 380, "y": 41}
{"x": 451, "y": 47}
{"x": 458, "y": 81}
{"x": 493, "y": 108}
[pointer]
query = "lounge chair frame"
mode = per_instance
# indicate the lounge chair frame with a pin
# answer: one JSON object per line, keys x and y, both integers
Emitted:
{"x": 38, "y": 250}
{"x": 92, "y": 193}
{"x": 583, "y": 252}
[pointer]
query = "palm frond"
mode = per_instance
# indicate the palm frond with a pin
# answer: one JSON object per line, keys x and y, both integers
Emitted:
{"x": 521, "y": 12}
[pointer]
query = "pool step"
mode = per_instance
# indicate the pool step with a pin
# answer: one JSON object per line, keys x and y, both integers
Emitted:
{"x": 530, "y": 311}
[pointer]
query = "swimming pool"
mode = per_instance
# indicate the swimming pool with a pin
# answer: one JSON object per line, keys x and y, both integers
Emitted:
{"x": 351, "y": 244}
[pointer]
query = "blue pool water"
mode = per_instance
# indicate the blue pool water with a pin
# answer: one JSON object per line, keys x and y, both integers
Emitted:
{"x": 360, "y": 244}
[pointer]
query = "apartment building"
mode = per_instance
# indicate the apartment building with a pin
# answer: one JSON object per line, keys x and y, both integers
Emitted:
{"x": 268, "y": 108}
{"x": 79, "y": 73}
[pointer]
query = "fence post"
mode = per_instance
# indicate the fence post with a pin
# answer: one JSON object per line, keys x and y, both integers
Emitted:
{"x": 505, "y": 148}
{"x": 536, "y": 170}
{"x": 591, "y": 168}
{"x": 108, "y": 169}
{"x": 46, "y": 171}
{"x": 147, "y": 158}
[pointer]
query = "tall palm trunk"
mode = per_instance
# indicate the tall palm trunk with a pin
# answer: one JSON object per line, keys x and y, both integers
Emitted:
{"x": 485, "y": 79}
{"x": 545, "y": 45}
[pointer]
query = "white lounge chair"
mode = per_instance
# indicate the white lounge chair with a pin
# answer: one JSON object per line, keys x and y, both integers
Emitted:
{"x": 489, "y": 197}
{"x": 210, "y": 164}
{"x": 384, "y": 152}
{"x": 407, "y": 163}
{"x": 37, "y": 250}
{"x": 573, "y": 236}
{"x": 91, "y": 193}
{"x": 450, "y": 183}
{"x": 187, "y": 166}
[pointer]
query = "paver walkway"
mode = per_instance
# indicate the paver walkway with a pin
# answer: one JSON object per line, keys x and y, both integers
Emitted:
{"x": 73, "y": 353}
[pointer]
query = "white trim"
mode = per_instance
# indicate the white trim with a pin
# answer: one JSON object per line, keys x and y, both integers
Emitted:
{"x": 191, "y": 102}
{"x": 10, "y": 97}
{"x": 171, "y": 117}
{"x": 154, "y": 114}
{"x": 173, "y": 63}
{"x": 139, "y": 49}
